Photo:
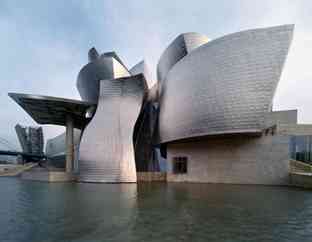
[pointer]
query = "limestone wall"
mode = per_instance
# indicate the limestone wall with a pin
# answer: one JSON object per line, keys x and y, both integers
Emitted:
{"x": 295, "y": 129}
{"x": 237, "y": 160}
{"x": 289, "y": 117}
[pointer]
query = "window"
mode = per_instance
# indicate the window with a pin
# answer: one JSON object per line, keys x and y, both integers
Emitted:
{"x": 179, "y": 165}
{"x": 300, "y": 147}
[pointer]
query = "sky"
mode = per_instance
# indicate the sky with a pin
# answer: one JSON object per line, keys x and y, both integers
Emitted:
{"x": 44, "y": 44}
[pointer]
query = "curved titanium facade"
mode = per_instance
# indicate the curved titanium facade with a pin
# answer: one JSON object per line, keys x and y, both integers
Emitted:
{"x": 143, "y": 137}
{"x": 56, "y": 149}
{"x": 179, "y": 48}
{"x": 145, "y": 153}
{"x": 105, "y": 67}
{"x": 141, "y": 68}
{"x": 224, "y": 86}
{"x": 56, "y": 146}
{"x": 106, "y": 148}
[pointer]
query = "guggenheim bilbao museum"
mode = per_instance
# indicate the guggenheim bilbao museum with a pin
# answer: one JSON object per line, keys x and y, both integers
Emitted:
{"x": 208, "y": 118}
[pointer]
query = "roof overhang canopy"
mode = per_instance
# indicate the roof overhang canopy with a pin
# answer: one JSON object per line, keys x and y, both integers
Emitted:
{"x": 53, "y": 110}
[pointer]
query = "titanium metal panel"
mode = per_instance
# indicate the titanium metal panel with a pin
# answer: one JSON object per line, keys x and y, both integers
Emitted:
{"x": 56, "y": 145}
{"x": 141, "y": 68}
{"x": 56, "y": 150}
{"x": 153, "y": 94}
{"x": 225, "y": 86}
{"x": 104, "y": 67}
{"x": 106, "y": 152}
{"x": 179, "y": 48}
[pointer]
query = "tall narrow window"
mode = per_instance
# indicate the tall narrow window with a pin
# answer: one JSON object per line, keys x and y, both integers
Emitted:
{"x": 179, "y": 165}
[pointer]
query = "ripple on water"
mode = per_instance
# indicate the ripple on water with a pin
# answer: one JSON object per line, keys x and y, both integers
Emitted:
{"x": 32, "y": 211}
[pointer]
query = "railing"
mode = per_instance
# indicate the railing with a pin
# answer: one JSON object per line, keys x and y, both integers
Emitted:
{"x": 299, "y": 166}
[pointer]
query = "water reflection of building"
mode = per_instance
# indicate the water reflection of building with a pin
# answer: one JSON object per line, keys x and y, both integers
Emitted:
{"x": 209, "y": 115}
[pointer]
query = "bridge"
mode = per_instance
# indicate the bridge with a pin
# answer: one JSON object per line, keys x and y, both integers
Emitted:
{"x": 13, "y": 152}
{"x": 27, "y": 157}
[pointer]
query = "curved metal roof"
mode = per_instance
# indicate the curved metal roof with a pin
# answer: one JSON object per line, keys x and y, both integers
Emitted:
{"x": 104, "y": 67}
{"x": 180, "y": 47}
{"x": 225, "y": 86}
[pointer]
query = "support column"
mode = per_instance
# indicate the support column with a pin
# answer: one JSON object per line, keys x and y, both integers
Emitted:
{"x": 69, "y": 143}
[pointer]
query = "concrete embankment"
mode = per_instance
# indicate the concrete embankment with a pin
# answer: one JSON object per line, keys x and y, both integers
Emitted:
{"x": 151, "y": 176}
{"x": 301, "y": 179}
{"x": 48, "y": 175}
{"x": 300, "y": 174}
{"x": 15, "y": 170}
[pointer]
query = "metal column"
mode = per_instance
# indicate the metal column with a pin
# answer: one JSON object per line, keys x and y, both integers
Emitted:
{"x": 69, "y": 143}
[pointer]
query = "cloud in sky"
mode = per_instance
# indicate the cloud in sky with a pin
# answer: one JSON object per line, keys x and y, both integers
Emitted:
{"x": 44, "y": 44}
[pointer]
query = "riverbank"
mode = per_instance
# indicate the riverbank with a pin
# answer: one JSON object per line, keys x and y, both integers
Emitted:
{"x": 15, "y": 170}
{"x": 300, "y": 174}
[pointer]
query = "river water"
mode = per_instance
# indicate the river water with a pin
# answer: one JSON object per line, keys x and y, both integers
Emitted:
{"x": 83, "y": 212}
